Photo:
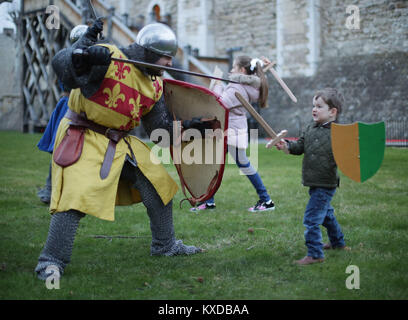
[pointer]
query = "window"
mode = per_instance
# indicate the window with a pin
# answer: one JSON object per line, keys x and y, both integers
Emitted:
{"x": 156, "y": 12}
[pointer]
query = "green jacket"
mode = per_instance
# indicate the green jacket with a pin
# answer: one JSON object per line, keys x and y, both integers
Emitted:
{"x": 318, "y": 168}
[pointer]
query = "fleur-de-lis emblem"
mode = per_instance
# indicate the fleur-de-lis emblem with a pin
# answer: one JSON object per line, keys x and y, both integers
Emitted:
{"x": 135, "y": 111}
{"x": 158, "y": 87}
{"x": 121, "y": 68}
{"x": 114, "y": 96}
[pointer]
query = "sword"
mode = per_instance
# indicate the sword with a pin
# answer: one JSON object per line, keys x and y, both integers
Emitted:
{"x": 95, "y": 16}
{"x": 159, "y": 67}
{"x": 281, "y": 82}
{"x": 275, "y": 137}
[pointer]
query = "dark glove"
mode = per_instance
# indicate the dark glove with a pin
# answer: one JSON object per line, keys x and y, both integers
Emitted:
{"x": 83, "y": 58}
{"x": 193, "y": 123}
{"x": 98, "y": 55}
{"x": 197, "y": 123}
{"x": 95, "y": 29}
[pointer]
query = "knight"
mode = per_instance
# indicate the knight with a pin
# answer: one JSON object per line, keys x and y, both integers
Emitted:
{"x": 96, "y": 163}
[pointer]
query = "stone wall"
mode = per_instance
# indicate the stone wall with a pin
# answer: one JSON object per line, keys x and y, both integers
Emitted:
{"x": 250, "y": 24}
{"x": 383, "y": 28}
{"x": 11, "y": 105}
{"x": 137, "y": 8}
{"x": 369, "y": 65}
{"x": 374, "y": 87}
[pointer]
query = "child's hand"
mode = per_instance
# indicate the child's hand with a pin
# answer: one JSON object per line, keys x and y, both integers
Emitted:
{"x": 267, "y": 62}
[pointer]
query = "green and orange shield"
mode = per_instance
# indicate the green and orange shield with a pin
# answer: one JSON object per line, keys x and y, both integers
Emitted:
{"x": 358, "y": 148}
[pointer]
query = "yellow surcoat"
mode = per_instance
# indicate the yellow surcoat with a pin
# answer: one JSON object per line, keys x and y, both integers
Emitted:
{"x": 124, "y": 96}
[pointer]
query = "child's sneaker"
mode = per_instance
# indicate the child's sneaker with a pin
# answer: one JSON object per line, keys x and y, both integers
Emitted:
{"x": 262, "y": 206}
{"x": 203, "y": 206}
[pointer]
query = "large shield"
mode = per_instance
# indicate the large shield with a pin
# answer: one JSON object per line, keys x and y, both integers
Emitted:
{"x": 199, "y": 160}
{"x": 358, "y": 148}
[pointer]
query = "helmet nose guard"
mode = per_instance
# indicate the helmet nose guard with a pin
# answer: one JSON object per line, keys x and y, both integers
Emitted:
{"x": 77, "y": 32}
{"x": 158, "y": 38}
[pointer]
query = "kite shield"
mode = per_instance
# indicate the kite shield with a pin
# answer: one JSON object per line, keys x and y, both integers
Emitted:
{"x": 358, "y": 148}
{"x": 199, "y": 160}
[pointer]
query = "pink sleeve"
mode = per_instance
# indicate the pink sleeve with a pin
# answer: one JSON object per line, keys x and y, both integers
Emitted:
{"x": 228, "y": 95}
{"x": 218, "y": 89}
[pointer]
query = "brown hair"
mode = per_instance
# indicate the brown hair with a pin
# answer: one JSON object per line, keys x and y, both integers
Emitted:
{"x": 332, "y": 97}
{"x": 245, "y": 62}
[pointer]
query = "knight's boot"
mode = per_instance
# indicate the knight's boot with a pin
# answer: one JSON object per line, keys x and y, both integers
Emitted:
{"x": 161, "y": 220}
{"x": 58, "y": 247}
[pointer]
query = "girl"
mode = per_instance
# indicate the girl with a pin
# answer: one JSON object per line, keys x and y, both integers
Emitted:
{"x": 253, "y": 87}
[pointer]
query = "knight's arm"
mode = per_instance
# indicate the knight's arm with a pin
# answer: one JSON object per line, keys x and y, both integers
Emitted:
{"x": 159, "y": 118}
{"x": 87, "y": 78}
{"x": 82, "y": 72}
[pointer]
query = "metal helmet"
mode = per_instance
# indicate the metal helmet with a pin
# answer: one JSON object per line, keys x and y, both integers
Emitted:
{"x": 158, "y": 38}
{"x": 77, "y": 32}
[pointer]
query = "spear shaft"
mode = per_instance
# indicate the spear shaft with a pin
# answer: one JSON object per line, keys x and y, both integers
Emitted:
{"x": 156, "y": 66}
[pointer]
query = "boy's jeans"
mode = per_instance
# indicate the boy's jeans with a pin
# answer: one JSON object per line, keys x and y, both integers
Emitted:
{"x": 320, "y": 212}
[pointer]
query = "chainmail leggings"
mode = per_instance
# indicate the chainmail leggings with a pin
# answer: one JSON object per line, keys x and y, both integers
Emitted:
{"x": 160, "y": 215}
{"x": 63, "y": 226}
{"x": 58, "y": 247}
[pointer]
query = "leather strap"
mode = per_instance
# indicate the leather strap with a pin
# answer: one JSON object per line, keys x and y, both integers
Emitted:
{"x": 113, "y": 135}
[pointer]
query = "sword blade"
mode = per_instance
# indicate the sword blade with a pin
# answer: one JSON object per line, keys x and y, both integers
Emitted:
{"x": 92, "y": 9}
{"x": 275, "y": 137}
{"x": 156, "y": 66}
{"x": 95, "y": 16}
{"x": 283, "y": 85}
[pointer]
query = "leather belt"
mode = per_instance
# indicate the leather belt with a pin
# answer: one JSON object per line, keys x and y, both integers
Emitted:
{"x": 114, "y": 136}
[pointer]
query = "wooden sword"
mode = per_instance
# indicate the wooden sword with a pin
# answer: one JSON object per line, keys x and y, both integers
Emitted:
{"x": 275, "y": 137}
{"x": 281, "y": 82}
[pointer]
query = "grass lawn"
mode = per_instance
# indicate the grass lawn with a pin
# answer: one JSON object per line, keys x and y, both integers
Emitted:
{"x": 237, "y": 265}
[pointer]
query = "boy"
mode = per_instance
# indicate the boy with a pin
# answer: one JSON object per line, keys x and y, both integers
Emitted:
{"x": 319, "y": 173}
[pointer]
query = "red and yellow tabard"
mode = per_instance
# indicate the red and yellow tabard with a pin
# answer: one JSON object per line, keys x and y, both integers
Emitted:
{"x": 123, "y": 97}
